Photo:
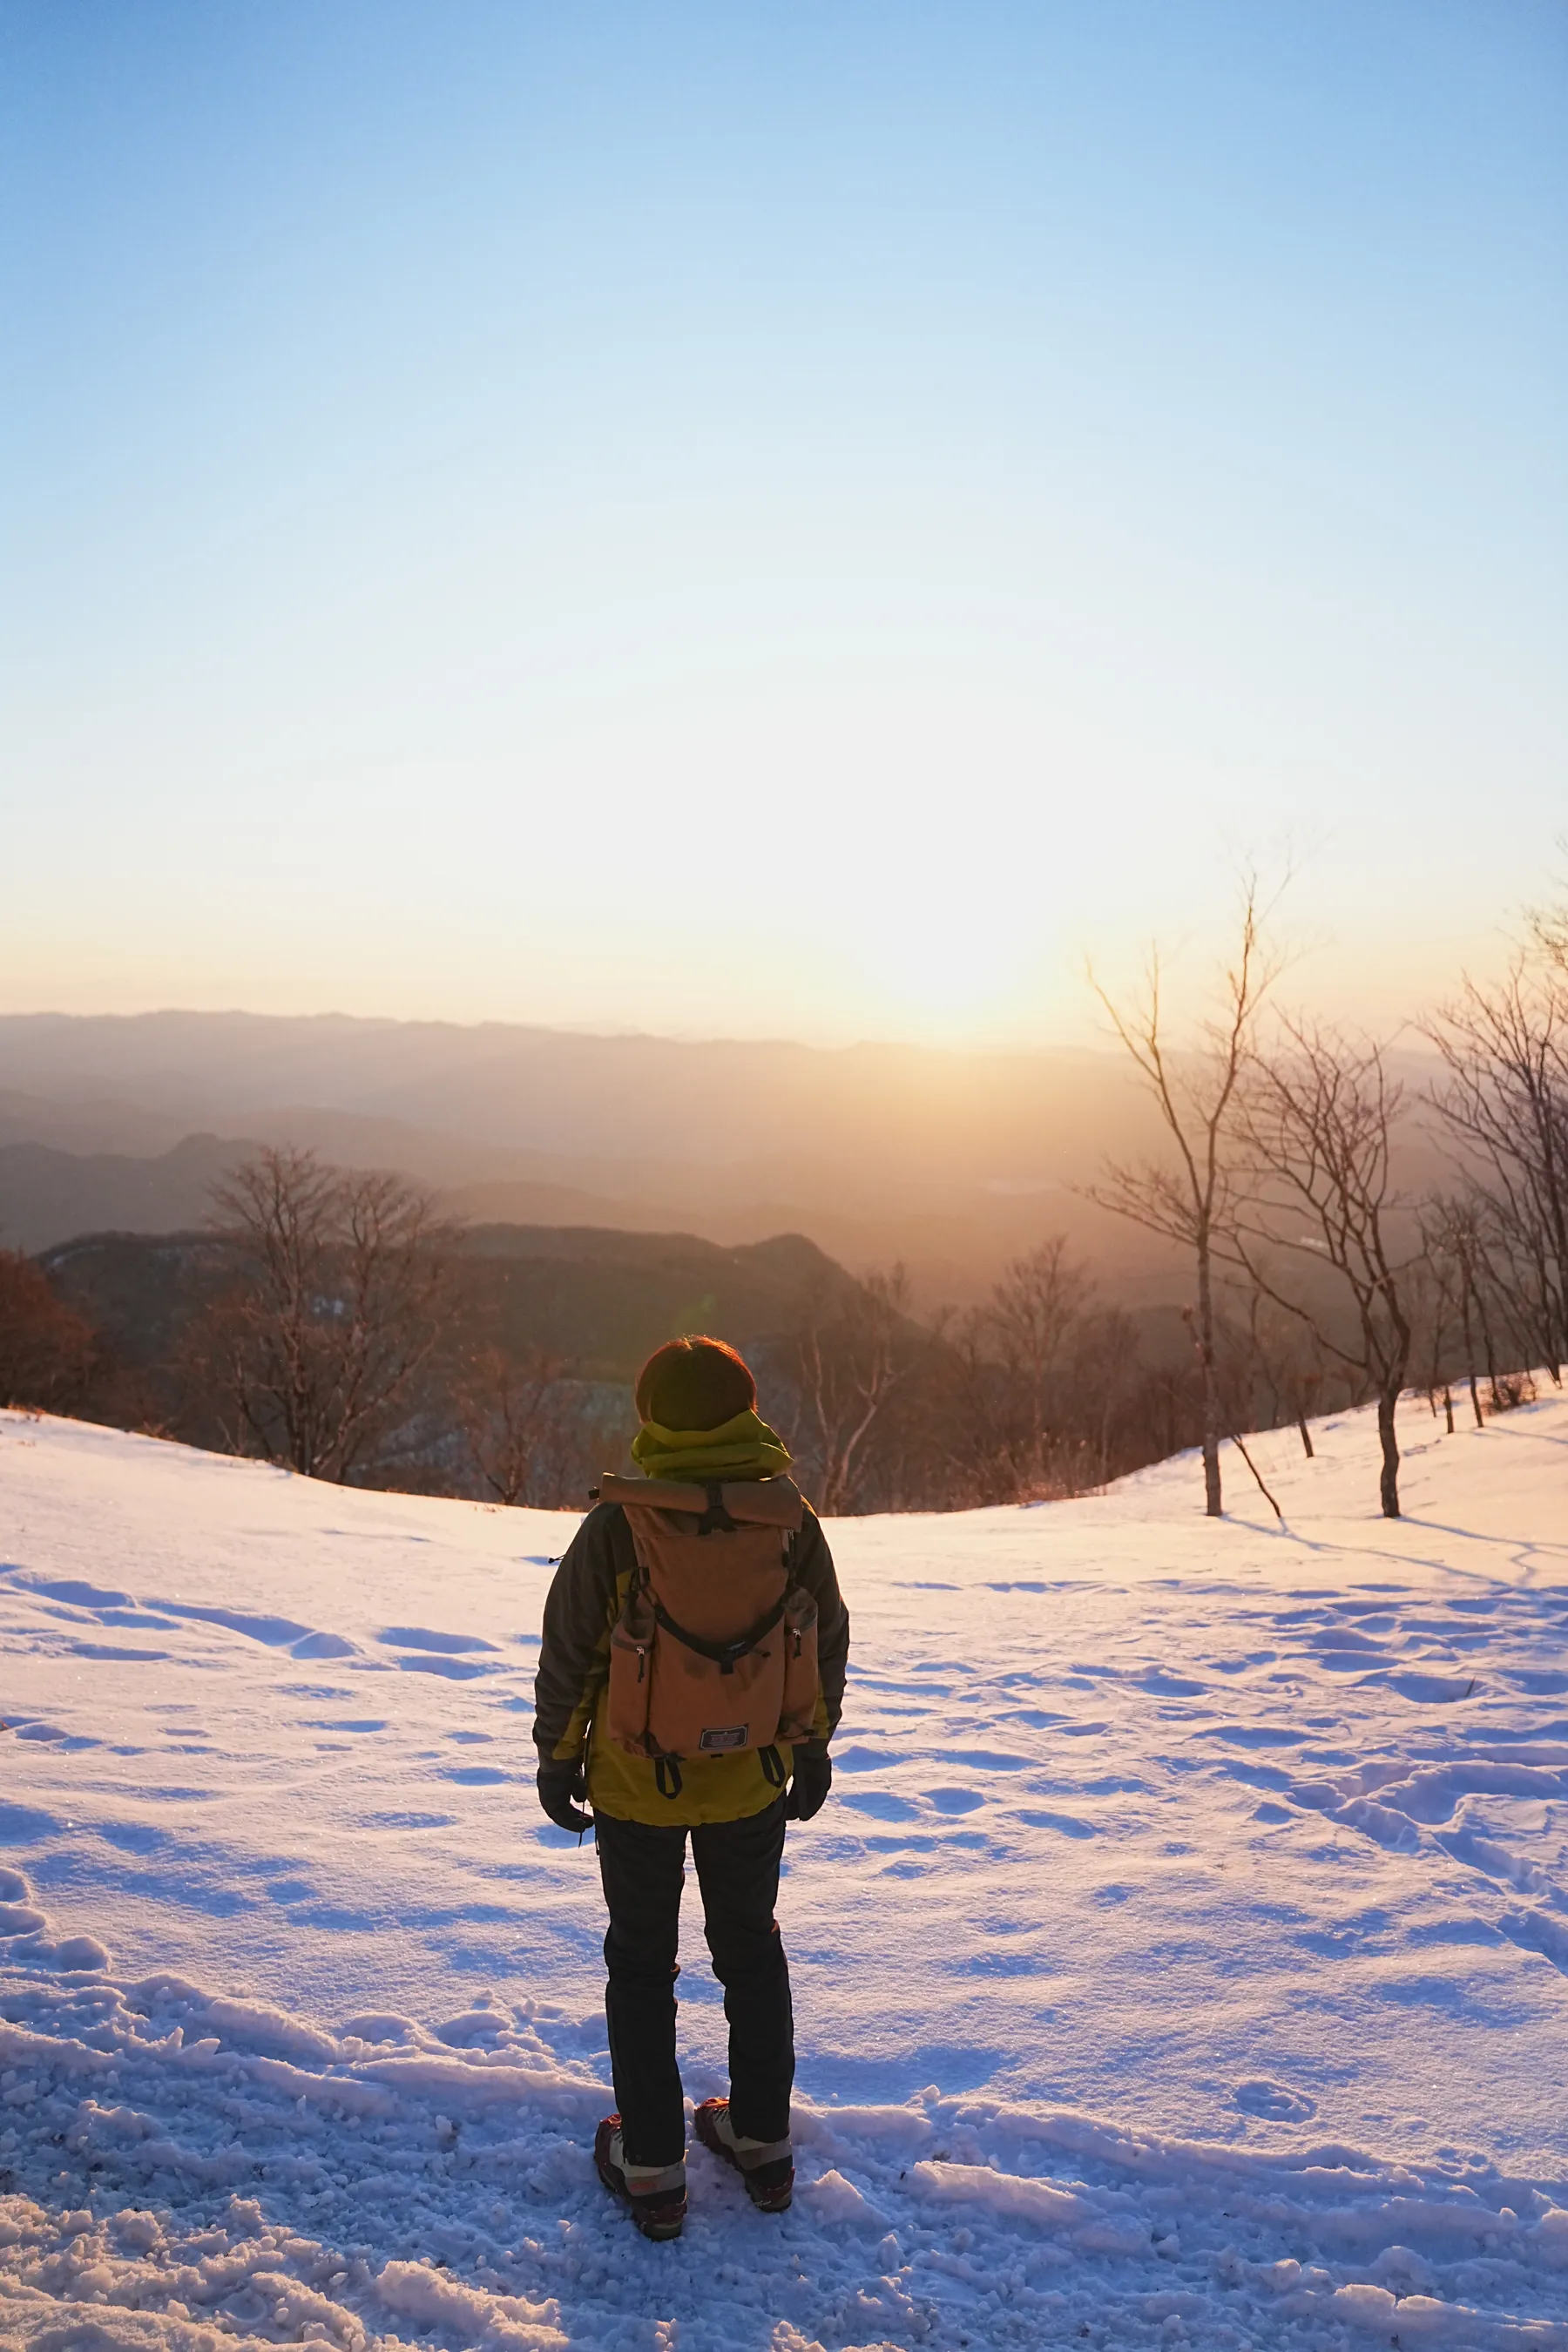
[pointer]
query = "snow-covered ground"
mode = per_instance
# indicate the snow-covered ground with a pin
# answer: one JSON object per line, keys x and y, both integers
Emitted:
{"x": 1181, "y": 1960}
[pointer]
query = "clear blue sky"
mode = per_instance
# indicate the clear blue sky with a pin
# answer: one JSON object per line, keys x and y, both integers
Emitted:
{"x": 787, "y": 518}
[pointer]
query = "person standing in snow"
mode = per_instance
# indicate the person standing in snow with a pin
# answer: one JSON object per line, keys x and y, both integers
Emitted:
{"x": 690, "y": 1677}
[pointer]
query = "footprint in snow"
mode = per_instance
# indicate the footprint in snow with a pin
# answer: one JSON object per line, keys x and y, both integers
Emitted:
{"x": 1258, "y": 1735}
{"x": 476, "y": 2029}
{"x": 272, "y": 1632}
{"x": 417, "y": 1637}
{"x": 379, "y": 2026}
{"x": 865, "y": 1760}
{"x": 1274, "y": 2102}
{"x": 1533, "y": 1931}
{"x": 322, "y": 1645}
{"x": 1434, "y": 1690}
{"x": 76, "y": 1594}
{"x": 112, "y": 1650}
{"x": 456, "y": 1670}
{"x": 880, "y": 1803}
{"x": 397, "y": 1821}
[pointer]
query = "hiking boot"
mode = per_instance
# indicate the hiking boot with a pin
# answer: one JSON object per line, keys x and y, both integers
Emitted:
{"x": 656, "y": 2193}
{"x": 765, "y": 2166}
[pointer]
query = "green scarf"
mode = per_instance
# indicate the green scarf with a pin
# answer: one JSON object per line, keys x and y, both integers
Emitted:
{"x": 742, "y": 1448}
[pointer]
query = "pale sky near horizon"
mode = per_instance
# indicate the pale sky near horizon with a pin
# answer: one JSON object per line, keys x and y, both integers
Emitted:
{"x": 736, "y": 519}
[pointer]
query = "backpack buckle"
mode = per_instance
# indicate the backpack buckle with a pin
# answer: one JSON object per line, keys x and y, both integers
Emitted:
{"x": 715, "y": 1517}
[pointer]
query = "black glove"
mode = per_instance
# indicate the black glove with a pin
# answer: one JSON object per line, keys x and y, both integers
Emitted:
{"x": 809, "y": 1789}
{"x": 558, "y": 1784}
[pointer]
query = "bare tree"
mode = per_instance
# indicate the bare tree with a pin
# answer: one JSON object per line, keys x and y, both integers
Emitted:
{"x": 1194, "y": 1092}
{"x": 521, "y": 1429}
{"x": 336, "y": 1308}
{"x": 1032, "y": 1325}
{"x": 1505, "y": 1101}
{"x": 45, "y": 1348}
{"x": 844, "y": 1364}
{"x": 1463, "y": 1235}
{"x": 1549, "y": 928}
{"x": 1282, "y": 1368}
{"x": 1434, "y": 1292}
{"x": 1459, "y": 1235}
{"x": 1029, "y": 1383}
{"x": 1103, "y": 1378}
{"x": 1317, "y": 1116}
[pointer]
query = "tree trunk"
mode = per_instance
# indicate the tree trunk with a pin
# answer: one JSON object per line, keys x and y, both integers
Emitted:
{"x": 1213, "y": 1431}
{"x": 1470, "y": 1353}
{"x": 1489, "y": 1350}
{"x": 1449, "y": 1406}
{"x": 1389, "y": 1484}
{"x": 1555, "y": 1193}
{"x": 1306, "y": 1435}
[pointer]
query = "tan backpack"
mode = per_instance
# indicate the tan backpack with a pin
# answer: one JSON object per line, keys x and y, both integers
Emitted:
{"x": 715, "y": 1648}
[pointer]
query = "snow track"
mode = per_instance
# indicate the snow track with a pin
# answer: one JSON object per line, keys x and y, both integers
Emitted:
{"x": 1182, "y": 1958}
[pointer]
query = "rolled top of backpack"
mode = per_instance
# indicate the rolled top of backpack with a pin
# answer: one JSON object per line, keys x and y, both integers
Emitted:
{"x": 751, "y": 1502}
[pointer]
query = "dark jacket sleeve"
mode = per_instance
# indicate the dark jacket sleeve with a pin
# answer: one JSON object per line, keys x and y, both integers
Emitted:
{"x": 814, "y": 1568}
{"x": 574, "y": 1656}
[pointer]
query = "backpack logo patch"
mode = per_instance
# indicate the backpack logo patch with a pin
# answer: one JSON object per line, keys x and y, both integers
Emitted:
{"x": 718, "y": 1743}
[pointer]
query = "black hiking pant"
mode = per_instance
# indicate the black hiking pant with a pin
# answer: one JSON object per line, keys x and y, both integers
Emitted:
{"x": 643, "y": 1867}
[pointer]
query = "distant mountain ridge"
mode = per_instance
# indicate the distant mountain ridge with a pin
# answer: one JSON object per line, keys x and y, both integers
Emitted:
{"x": 920, "y": 1117}
{"x": 603, "y": 1300}
{"x": 951, "y": 1162}
{"x": 47, "y": 1195}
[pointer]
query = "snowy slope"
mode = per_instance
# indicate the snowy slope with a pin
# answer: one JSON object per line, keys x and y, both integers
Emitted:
{"x": 1182, "y": 1958}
